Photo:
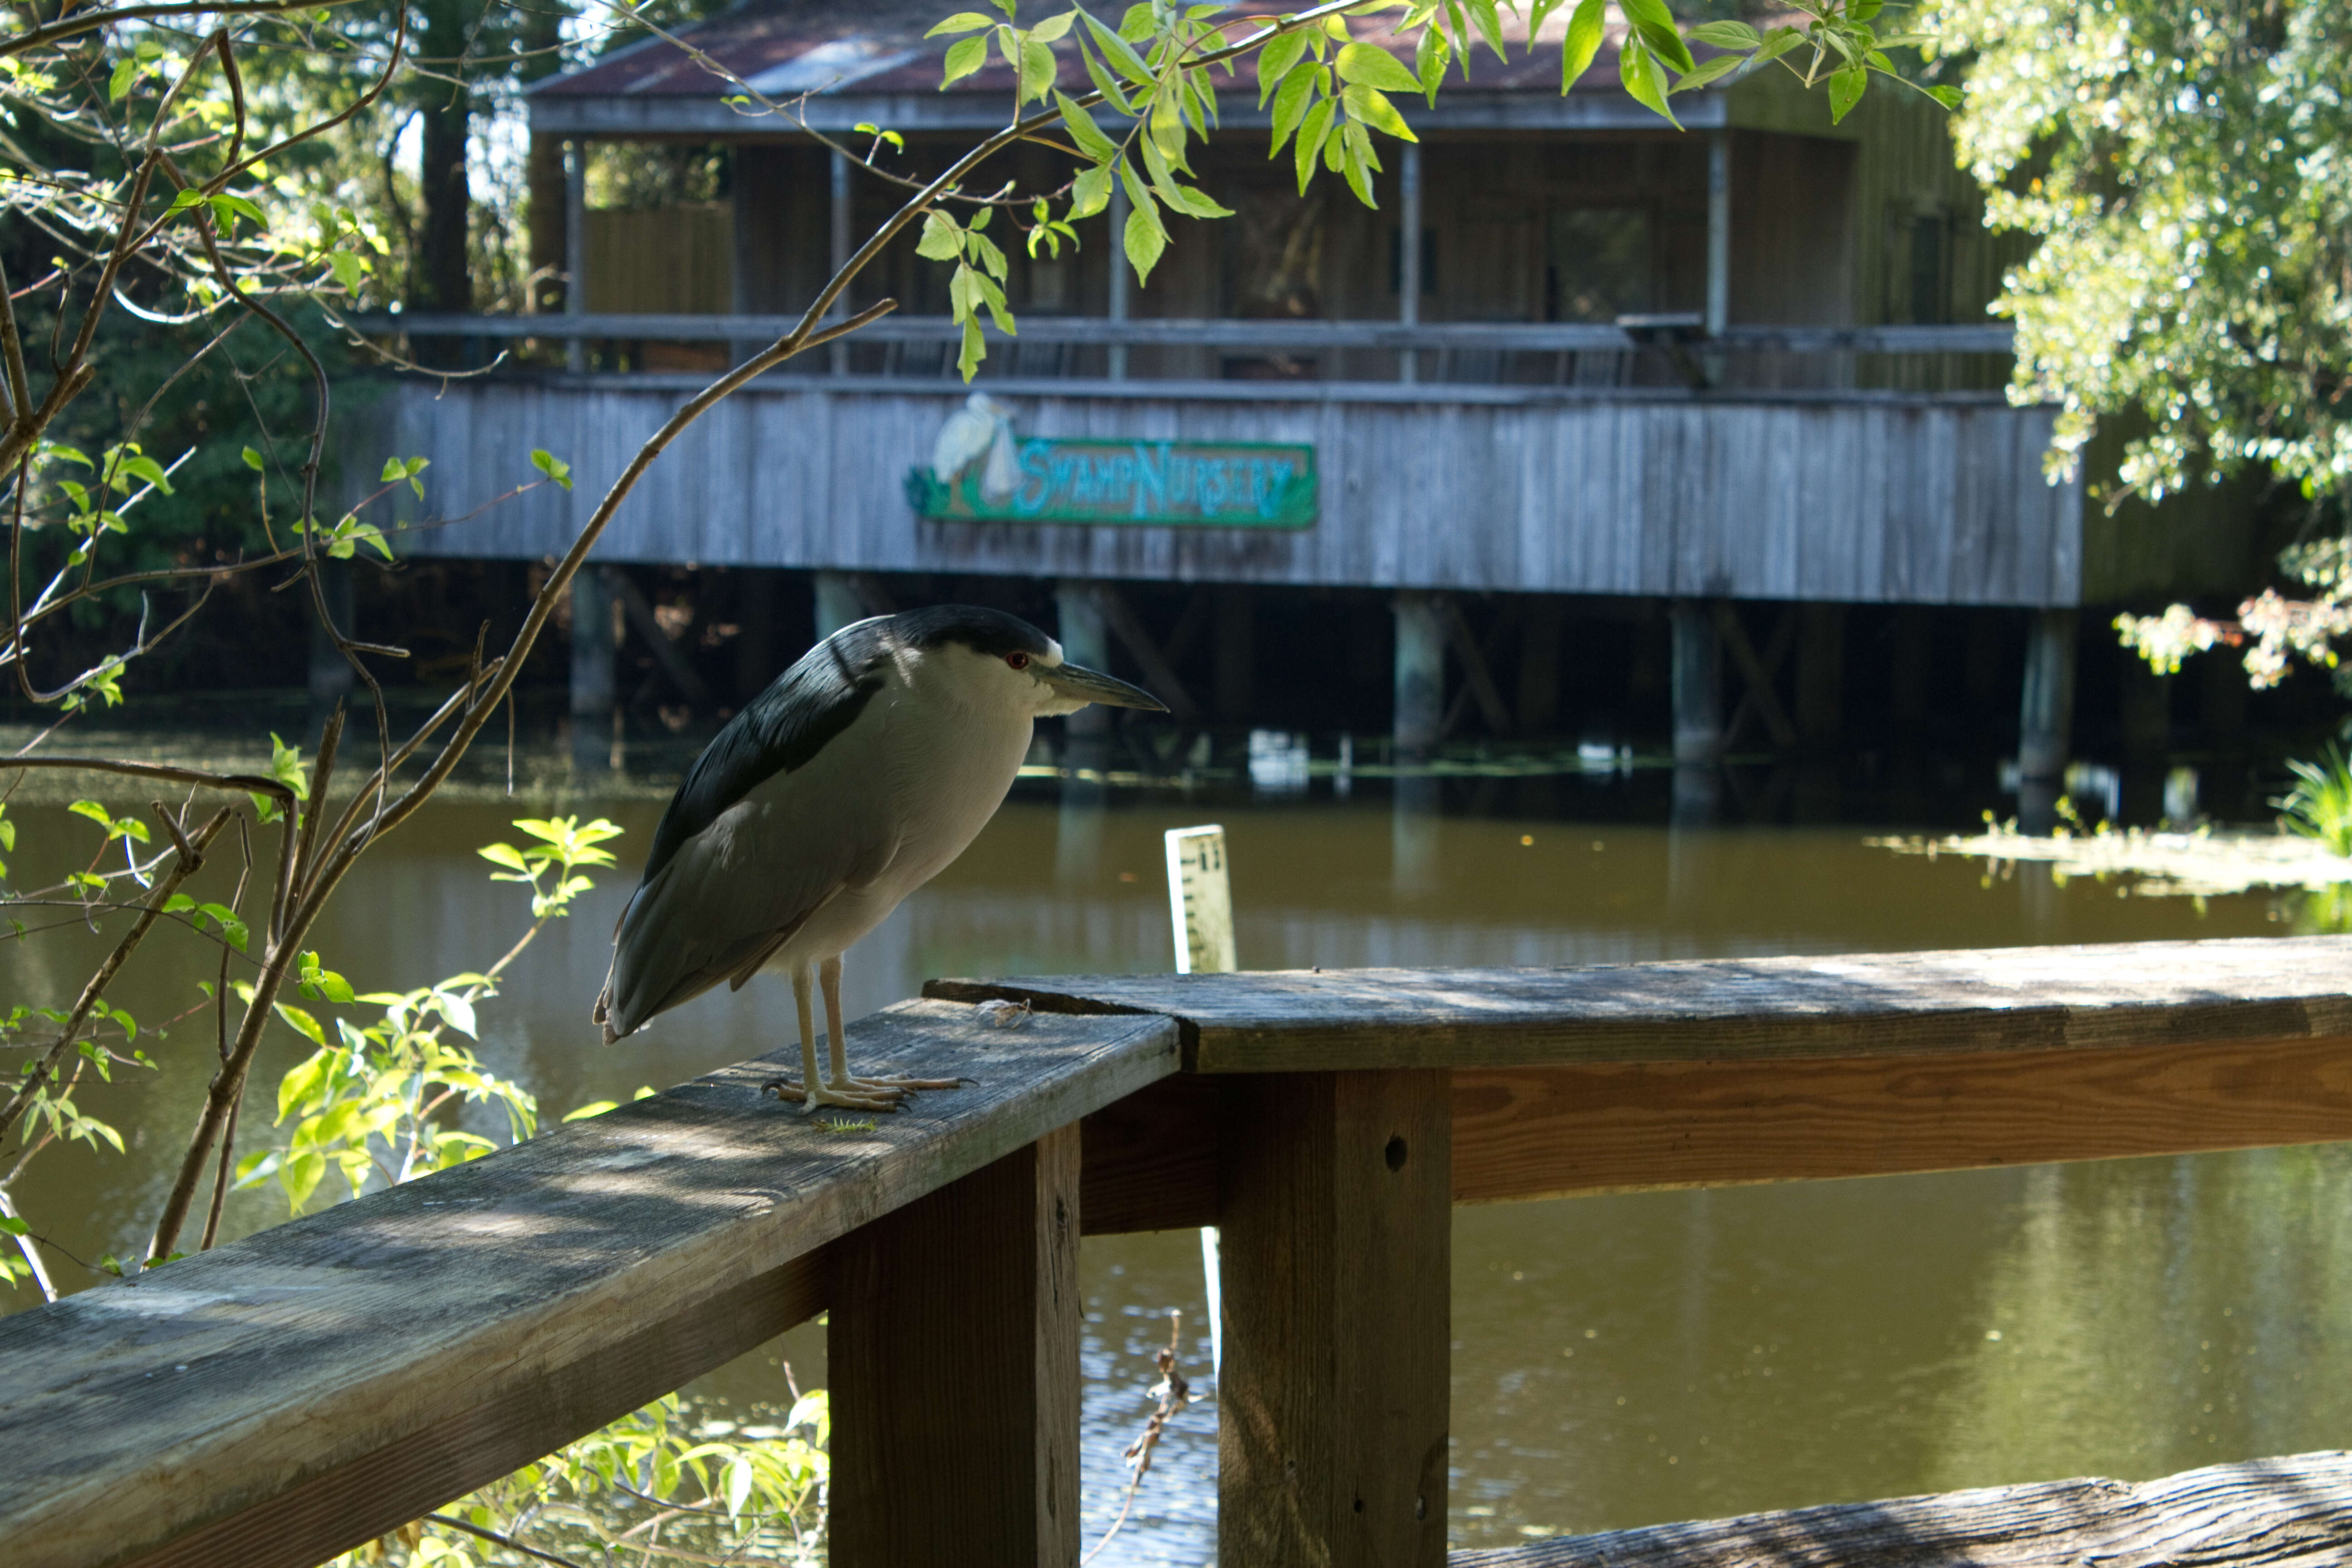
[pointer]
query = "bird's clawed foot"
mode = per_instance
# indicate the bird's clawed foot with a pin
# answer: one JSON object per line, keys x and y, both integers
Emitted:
{"x": 898, "y": 1082}
{"x": 853, "y": 1094}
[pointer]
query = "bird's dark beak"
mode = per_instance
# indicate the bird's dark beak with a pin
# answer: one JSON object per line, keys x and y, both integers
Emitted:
{"x": 1091, "y": 686}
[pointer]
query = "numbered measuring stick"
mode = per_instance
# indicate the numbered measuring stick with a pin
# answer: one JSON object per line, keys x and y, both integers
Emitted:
{"x": 1200, "y": 904}
{"x": 1200, "y": 900}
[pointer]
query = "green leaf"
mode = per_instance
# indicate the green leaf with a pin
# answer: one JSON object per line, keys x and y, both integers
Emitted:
{"x": 593, "y": 1107}
{"x": 1656, "y": 26}
{"x": 302, "y": 1080}
{"x": 1119, "y": 53}
{"x": 546, "y": 462}
{"x": 94, "y": 811}
{"x": 1292, "y": 100}
{"x": 1490, "y": 25}
{"x": 1193, "y": 203}
{"x": 1778, "y": 42}
{"x": 1106, "y": 83}
{"x": 1084, "y": 131}
{"x": 119, "y": 83}
{"x": 1311, "y": 136}
{"x": 459, "y": 1011}
{"x": 1053, "y": 28}
{"x": 1090, "y": 193}
{"x": 227, "y": 209}
{"x": 1372, "y": 107}
{"x": 303, "y": 1023}
{"x": 1273, "y": 63}
{"x": 1949, "y": 96}
{"x": 1430, "y": 57}
{"x": 941, "y": 239}
{"x": 1639, "y": 72}
{"x": 1586, "y": 27}
{"x": 1713, "y": 70}
{"x": 1374, "y": 67}
{"x": 145, "y": 468}
{"x": 300, "y": 1176}
{"x": 1845, "y": 92}
{"x": 1355, "y": 152}
{"x": 505, "y": 855}
{"x": 963, "y": 59}
{"x": 963, "y": 21}
{"x": 1146, "y": 240}
{"x": 1726, "y": 36}
{"x": 1038, "y": 70}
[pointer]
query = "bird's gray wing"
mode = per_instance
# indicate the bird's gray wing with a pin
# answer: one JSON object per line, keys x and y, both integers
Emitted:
{"x": 734, "y": 893}
{"x": 780, "y": 729}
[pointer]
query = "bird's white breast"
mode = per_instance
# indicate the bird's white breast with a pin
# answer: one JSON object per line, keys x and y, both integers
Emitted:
{"x": 915, "y": 776}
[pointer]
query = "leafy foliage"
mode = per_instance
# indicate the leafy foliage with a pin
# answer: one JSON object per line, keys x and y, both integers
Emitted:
{"x": 2185, "y": 166}
{"x": 2319, "y": 806}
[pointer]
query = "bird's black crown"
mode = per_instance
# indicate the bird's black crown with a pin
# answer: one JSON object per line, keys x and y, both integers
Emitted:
{"x": 992, "y": 632}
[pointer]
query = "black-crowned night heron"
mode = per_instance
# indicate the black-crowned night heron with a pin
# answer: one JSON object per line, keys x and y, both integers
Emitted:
{"x": 844, "y": 786}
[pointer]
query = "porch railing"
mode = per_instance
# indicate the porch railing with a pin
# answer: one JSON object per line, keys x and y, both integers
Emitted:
{"x": 297, "y": 1393}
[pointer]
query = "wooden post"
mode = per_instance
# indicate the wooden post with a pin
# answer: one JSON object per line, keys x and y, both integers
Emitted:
{"x": 1115, "y": 357}
{"x": 838, "y": 603}
{"x": 1086, "y": 640}
{"x": 844, "y": 220}
{"x": 1420, "y": 675}
{"x": 1821, "y": 674}
{"x": 953, "y": 1353}
{"x": 1408, "y": 255}
{"x": 1336, "y": 1208}
{"x": 576, "y": 249}
{"x": 1698, "y": 685}
{"x": 592, "y": 643}
{"x": 2046, "y": 706}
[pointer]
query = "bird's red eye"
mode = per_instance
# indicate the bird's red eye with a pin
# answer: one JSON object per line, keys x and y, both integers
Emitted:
{"x": 1017, "y": 660}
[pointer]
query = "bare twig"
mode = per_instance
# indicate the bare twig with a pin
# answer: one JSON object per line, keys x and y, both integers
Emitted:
{"x": 1174, "y": 1395}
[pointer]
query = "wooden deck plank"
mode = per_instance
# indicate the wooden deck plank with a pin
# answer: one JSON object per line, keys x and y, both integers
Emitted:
{"x": 470, "y": 1321}
{"x": 2290, "y": 1512}
{"x": 1761, "y": 1009}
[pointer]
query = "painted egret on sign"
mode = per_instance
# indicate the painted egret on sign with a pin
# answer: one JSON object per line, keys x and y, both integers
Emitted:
{"x": 844, "y": 786}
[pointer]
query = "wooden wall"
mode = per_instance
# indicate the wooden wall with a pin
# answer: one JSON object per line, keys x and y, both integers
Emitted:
{"x": 1923, "y": 500}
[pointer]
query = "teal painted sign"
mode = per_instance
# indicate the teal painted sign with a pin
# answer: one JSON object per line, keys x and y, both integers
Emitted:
{"x": 1159, "y": 484}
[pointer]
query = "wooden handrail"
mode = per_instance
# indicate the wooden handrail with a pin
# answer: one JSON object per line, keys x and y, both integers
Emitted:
{"x": 291, "y": 1396}
{"x": 1745, "y": 1009}
{"x": 295, "y": 1395}
{"x": 1176, "y": 332}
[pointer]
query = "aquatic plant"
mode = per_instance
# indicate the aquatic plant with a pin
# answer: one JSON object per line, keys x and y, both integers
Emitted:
{"x": 2319, "y": 806}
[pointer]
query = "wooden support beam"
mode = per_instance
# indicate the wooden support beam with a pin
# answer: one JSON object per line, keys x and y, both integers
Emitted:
{"x": 1536, "y": 1132}
{"x": 953, "y": 1355}
{"x": 1478, "y": 679}
{"x": 2288, "y": 1512}
{"x": 1159, "y": 675}
{"x": 674, "y": 664}
{"x": 1563, "y": 1131}
{"x": 1757, "y": 673}
{"x": 1336, "y": 1234}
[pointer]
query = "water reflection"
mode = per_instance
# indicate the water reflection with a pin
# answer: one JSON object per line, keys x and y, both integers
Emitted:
{"x": 1620, "y": 1360}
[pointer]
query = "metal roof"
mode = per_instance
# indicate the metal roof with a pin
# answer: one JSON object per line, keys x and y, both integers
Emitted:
{"x": 839, "y": 64}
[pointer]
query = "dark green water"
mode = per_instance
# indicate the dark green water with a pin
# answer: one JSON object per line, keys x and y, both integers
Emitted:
{"x": 1617, "y": 1361}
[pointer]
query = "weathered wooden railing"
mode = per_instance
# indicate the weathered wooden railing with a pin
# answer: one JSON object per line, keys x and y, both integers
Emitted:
{"x": 299, "y": 1393}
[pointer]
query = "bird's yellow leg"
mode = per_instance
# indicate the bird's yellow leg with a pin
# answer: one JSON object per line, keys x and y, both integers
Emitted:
{"x": 828, "y": 975}
{"x": 811, "y": 1091}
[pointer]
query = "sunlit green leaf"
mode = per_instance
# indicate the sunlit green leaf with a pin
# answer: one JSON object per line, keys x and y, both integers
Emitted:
{"x": 1587, "y": 25}
{"x": 1373, "y": 108}
{"x": 963, "y": 59}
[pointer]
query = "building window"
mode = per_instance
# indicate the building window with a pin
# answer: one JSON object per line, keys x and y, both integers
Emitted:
{"x": 1598, "y": 264}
